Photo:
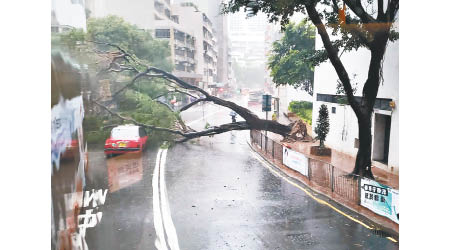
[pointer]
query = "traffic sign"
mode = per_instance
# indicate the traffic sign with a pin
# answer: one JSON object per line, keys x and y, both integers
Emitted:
{"x": 267, "y": 103}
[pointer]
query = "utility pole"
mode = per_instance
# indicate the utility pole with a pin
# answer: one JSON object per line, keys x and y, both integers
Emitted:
{"x": 266, "y": 107}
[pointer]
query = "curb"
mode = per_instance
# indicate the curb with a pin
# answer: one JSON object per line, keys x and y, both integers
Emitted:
{"x": 379, "y": 229}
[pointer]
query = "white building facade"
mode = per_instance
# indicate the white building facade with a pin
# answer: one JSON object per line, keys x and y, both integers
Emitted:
{"x": 67, "y": 15}
{"x": 343, "y": 134}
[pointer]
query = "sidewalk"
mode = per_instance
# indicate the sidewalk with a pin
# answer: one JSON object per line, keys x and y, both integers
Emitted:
{"x": 338, "y": 159}
{"x": 326, "y": 175}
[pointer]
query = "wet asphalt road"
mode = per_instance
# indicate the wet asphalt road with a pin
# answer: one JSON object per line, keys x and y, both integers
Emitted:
{"x": 216, "y": 195}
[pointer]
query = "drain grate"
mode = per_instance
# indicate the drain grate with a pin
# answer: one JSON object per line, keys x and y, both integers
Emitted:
{"x": 381, "y": 233}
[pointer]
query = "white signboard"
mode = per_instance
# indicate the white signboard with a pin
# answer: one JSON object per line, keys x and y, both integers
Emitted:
{"x": 381, "y": 199}
{"x": 295, "y": 160}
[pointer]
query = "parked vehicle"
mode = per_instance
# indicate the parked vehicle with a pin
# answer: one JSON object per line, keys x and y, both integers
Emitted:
{"x": 71, "y": 150}
{"x": 255, "y": 97}
{"x": 126, "y": 138}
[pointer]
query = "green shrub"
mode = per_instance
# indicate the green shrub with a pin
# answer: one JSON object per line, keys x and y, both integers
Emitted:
{"x": 302, "y": 109}
{"x": 92, "y": 123}
{"x": 97, "y": 137}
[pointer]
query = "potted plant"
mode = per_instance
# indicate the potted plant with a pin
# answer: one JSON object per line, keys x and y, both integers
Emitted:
{"x": 322, "y": 129}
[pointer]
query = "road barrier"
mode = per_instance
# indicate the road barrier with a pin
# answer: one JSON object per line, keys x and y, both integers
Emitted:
{"x": 318, "y": 172}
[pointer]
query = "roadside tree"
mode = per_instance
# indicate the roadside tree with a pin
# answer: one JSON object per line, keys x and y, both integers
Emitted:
{"x": 289, "y": 62}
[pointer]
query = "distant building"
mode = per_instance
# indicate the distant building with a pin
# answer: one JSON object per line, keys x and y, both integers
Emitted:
{"x": 189, "y": 32}
{"x": 206, "y": 42}
{"x": 343, "y": 135}
{"x": 247, "y": 37}
{"x": 142, "y": 13}
{"x": 67, "y": 15}
{"x": 220, "y": 25}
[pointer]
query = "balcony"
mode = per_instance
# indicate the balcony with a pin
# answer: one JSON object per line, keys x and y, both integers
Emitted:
{"x": 179, "y": 58}
{"x": 180, "y": 44}
{"x": 208, "y": 53}
{"x": 191, "y": 60}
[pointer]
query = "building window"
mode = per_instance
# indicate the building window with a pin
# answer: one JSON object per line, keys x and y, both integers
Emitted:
{"x": 162, "y": 33}
{"x": 180, "y": 36}
{"x": 380, "y": 103}
{"x": 180, "y": 67}
{"x": 77, "y": 2}
{"x": 167, "y": 13}
{"x": 179, "y": 52}
{"x": 333, "y": 110}
{"x": 175, "y": 19}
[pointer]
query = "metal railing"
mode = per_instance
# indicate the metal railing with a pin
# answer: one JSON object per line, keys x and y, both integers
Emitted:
{"x": 321, "y": 173}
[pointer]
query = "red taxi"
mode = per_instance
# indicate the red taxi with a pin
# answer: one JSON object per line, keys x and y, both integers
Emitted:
{"x": 125, "y": 138}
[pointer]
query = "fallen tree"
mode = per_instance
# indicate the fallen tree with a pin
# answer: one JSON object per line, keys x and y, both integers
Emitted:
{"x": 122, "y": 61}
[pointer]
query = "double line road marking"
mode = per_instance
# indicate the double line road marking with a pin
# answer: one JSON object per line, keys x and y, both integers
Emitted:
{"x": 162, "y": 219}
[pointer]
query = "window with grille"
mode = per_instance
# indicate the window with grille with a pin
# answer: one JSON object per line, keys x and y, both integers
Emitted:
{"x": 162, "y": 33}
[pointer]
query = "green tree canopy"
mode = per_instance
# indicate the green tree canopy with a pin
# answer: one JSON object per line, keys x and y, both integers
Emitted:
{"x": 289, "y": 61}
{"x": 113, "y": 29}
{"x": 137, "y": 101}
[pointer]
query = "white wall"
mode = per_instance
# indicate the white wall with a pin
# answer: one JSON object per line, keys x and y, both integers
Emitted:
{"x": 288, "y": 94}
{"x": 70, "y": 14}
{"x": 343, "y": 124}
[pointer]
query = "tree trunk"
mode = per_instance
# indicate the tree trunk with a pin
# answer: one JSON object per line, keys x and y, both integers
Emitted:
{"x": 377, "y": 45}
{"x": 363, "y": 164}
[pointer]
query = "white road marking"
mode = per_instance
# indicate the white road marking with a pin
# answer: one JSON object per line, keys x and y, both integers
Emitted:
{"x": 160, "y": 241}
{"x": 161, "y": 211}
{"x": 167, "y": 219}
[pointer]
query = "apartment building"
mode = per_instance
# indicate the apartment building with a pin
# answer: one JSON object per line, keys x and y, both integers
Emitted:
{"x": 190, "y": 33}
{"x": 220, "y": 23}
{"x": 206, "y": 43}
{"x": 183, "y": 45}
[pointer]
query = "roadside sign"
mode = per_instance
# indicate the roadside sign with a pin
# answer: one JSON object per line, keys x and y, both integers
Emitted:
{"x": 267, "y": 103}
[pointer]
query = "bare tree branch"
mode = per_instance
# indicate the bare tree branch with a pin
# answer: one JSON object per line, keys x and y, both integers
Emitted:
{"x": 334, "y": 58}
{"x": 175, "y": 90}
{"x": 187, "y": 135}
{"x": 138, "y": 123}
{"x": 193, "y": 103}
{"x": 166, "y": 105}
{"x": 135, "y": 78}
{"x": 251, "y": 120}
{"x": 186, "y": 93}
{"x": 124, "y": 53}
{"x": 216, "y": 130}
{"x": 354, "y": 29}
{"x": 392, "y": 10}
{"x": 380, "y": 15}
{"x": 357, "y": 8}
